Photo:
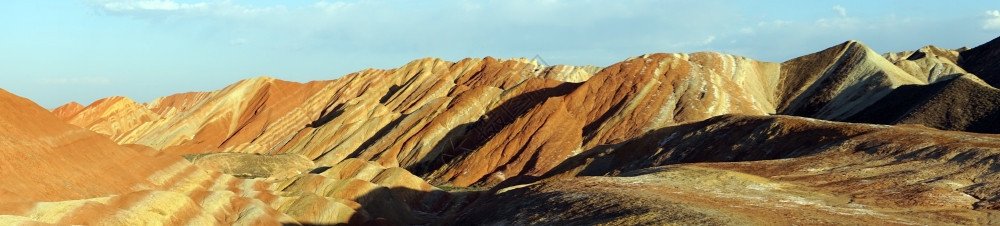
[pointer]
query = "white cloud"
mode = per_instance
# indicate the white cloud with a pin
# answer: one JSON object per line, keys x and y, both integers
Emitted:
{"x": 992, "y": 20}
{"x": 708, "y": 40}
{"x": 87, "y": 80}
{"x": 840, "y": 10}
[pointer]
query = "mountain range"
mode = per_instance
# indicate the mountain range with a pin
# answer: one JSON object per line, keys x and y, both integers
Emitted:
{"x": 844, "y": 135}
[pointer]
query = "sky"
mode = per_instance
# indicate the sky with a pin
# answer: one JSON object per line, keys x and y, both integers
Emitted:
{"x": 57, "y": 51}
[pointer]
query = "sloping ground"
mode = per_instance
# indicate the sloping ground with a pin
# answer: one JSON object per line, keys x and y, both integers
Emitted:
{"x": 962, "y": 103}
{"x": 810, "y": 172}
{"x": 35, "y": 144}
{"x": 61, "y": 174}
{"x": 981, "y": 61}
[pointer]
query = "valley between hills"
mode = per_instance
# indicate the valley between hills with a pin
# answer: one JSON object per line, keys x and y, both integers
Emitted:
{"x": 842, "y": 136}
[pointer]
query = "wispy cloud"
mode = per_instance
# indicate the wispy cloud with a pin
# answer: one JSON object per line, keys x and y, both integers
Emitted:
{"x": 992, "y": 20}
{"x": 169, "y": 9}
{"x": 85, "y": 80}
{"x": 840, "y": 10}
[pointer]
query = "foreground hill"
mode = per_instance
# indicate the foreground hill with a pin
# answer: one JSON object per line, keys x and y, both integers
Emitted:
{"x": 502, "y": 134}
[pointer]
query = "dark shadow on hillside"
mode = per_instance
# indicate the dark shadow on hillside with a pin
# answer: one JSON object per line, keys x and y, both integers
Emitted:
{"x": 861, "y": 94}
{"x": 901, "y": 101}
{"x": 958, "y": 103}
{"x": 378, "y": 135}
{"x": 982, "y": 61}
{"x": 327, "y": 116}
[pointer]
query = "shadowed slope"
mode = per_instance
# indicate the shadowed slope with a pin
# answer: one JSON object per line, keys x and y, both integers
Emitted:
{"x": 963, "y": 103}
{"x": 982, "y": 61}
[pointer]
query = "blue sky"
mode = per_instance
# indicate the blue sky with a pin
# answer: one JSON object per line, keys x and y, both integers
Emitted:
{"x": 56, "y": 51}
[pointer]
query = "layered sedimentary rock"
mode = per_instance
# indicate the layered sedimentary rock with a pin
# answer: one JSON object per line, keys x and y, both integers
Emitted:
{"x": 483, "y": 121}
{"x": 633, "y": 138}
{"x": 62, "y": 174}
